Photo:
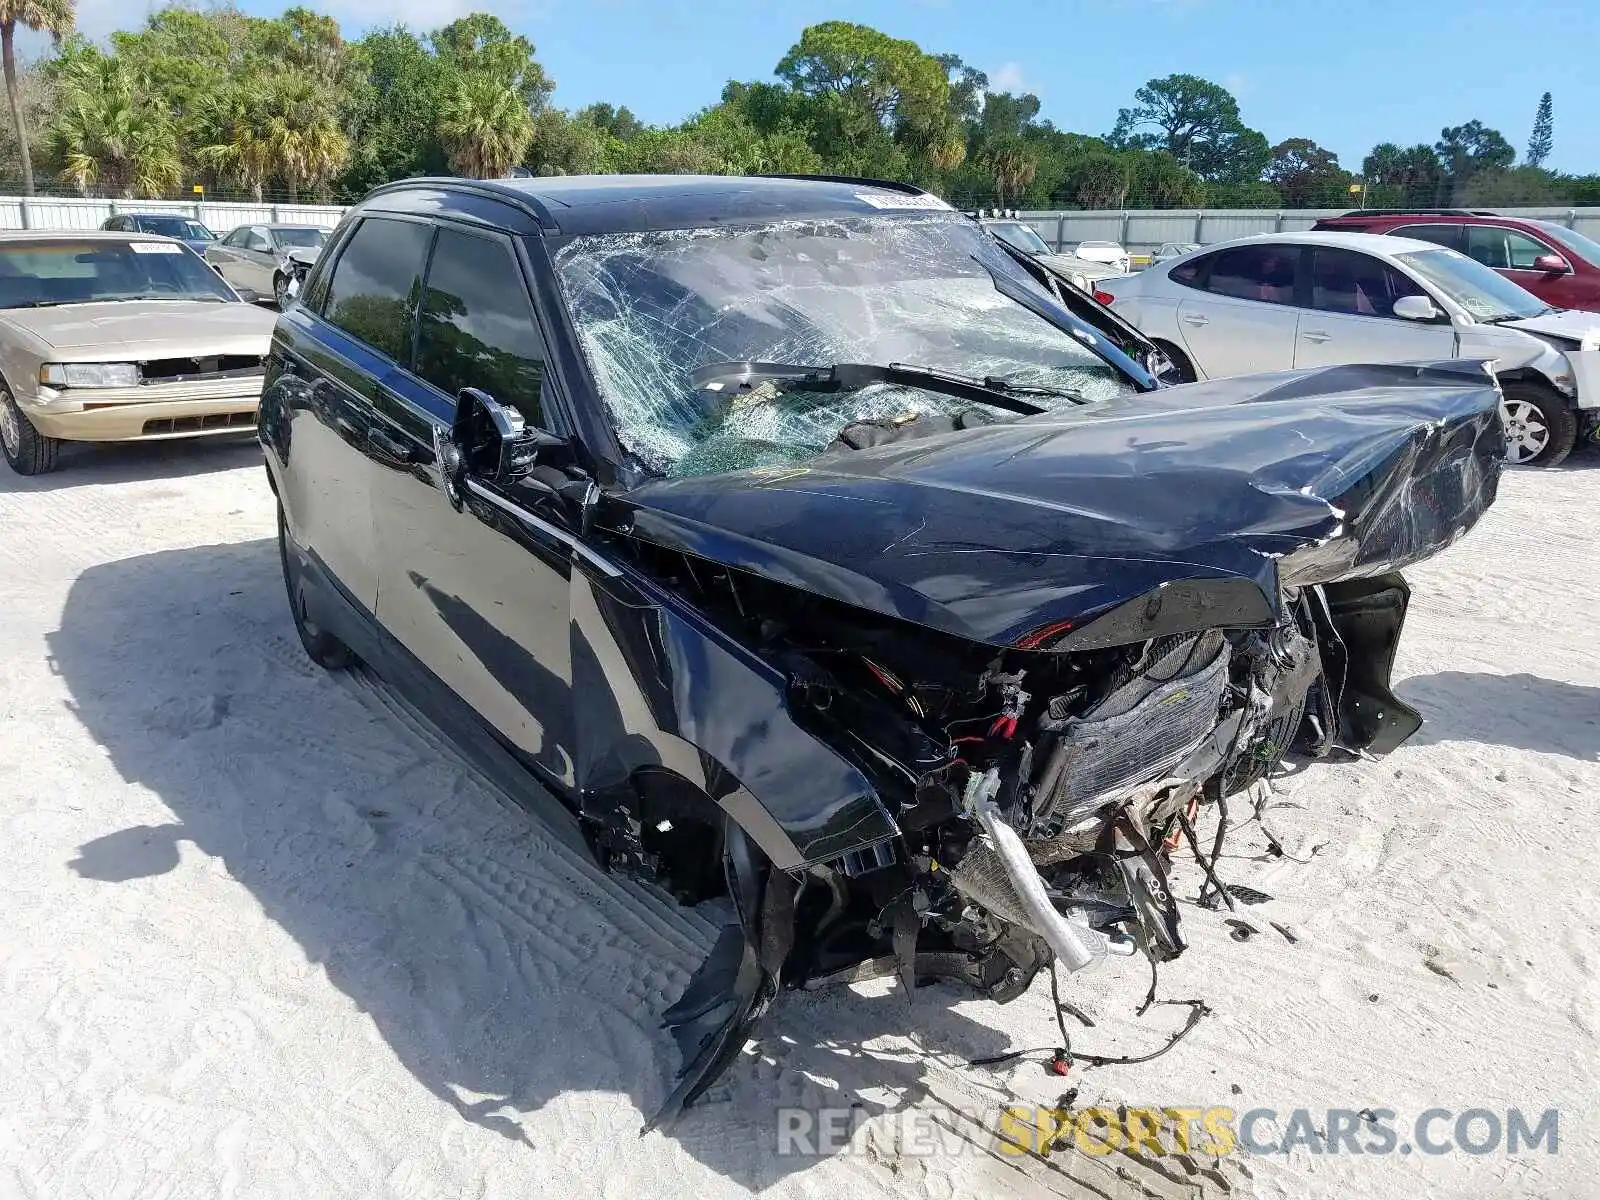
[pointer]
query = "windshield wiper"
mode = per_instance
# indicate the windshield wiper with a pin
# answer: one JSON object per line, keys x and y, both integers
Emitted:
{"x": 849, "y": 377}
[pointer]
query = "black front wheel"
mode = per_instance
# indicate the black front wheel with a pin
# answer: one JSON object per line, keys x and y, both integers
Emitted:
{"x": 321, "y": 646}
{"x": 27, "y": 450}
{"x": 285, "y": 288}
{"x": 1541, "y": 427}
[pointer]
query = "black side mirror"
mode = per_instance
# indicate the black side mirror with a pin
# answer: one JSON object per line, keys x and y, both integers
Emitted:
{"x": 495, "y": 444}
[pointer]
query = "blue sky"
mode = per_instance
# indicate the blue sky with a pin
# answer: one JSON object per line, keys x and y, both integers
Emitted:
{"x": 1346, "y": 74}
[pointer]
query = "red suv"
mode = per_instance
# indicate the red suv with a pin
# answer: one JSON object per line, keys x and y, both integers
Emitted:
{"x": 1556, "y": 264}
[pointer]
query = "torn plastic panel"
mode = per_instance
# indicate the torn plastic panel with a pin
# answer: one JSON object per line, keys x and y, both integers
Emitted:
{"x": 651, "y": 308}
{"x": 656, "y": 687}
{"x": 996, "y": 532}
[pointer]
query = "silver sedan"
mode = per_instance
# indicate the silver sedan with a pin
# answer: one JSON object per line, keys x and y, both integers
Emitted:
{"x": 267, "y": 260}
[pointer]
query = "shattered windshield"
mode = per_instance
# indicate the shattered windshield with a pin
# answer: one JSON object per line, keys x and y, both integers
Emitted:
{"x": 650, "y": 308}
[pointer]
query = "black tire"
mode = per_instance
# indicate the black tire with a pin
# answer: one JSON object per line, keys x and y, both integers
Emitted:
{"x": 280, "y": 291}
{"x": 1541, "y": 427}
{"x": 327, "y": 651}
{"x": 28, "y": 451}
{"x": 1182, "y": 369}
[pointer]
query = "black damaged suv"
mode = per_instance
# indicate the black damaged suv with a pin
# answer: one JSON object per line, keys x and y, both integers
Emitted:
{"x": 814, "y": 549}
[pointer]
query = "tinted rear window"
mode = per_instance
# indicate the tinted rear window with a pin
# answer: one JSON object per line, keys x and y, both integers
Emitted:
{"x": 1264, "y": 273}
{"x": 1438, "y": 234}
{"x": 372, "y": 293}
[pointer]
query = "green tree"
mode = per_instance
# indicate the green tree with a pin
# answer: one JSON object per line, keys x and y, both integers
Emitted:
{"x": 484, "y": 124}
{"x": 1197, "y": 122}
{"x": 1306, "y": 175}
{"x": 54, "y": 17}
{"x": 307, "y": 145}
{"x": 1542, "y": 140}
{"x": 1161, "y": 181}
{"x": 110, "y": 134}
{"x": 388, "y": 110}
{"x": 618, "y": 122}
{"x": 1011, "y": 167}
{"x": 1518, "y": 186}
{"x": 235, "y": 137}
{"x": 1098, "y": 179}
{"x": 1402, "y": 177}
{"x": 574, "y": 145}
{"x": 1468, "y": 150}
{"x": 480, "y": 44}
{"x": 875, "y": 100}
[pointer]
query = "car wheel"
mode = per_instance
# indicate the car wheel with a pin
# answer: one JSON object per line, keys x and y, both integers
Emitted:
{"x": 27, "y": 450}
{"x": 1182, "y": 369}
{"x": 1541, "y": 429}
{"x": 321, "y": 646}
{"x": 284, "y": 290}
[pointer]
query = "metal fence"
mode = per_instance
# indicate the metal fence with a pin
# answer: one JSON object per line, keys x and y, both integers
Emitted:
{"x": 1137, "y": 230}
{"x": 61, "y": 212}
{"x": 1144, "y": 230}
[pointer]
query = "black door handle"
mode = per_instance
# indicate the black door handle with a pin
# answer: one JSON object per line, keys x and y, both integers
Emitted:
{"x": 391, "y": 446}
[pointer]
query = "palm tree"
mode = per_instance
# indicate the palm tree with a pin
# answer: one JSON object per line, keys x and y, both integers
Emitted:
{"x": 1011, "y": 166}
{"x": 233, "y": 138}
{"x": 307, "y": 144}
{"x": 54, "y": 17}
{"x": 110, "y": 136}
{"x": 485, "y": 126}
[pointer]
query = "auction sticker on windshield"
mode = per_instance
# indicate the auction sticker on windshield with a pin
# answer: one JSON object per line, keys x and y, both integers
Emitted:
{"x": 897, "y": 200}
{"x": 156, "y": 247}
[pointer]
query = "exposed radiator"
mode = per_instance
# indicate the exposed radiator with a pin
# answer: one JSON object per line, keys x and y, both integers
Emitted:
{"x": 1148, "y": 724}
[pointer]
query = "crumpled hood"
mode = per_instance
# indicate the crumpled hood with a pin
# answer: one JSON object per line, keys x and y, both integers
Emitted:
{"x": 1569, "y": 323}
{"x": 1071, "y": 264}
{"x": 145, "y": 329}
{"x": 304, "y": 255}
{"x": 1230, "y": 488}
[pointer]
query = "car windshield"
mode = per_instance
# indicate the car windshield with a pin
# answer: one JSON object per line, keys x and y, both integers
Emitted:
{"x": 35, "y": 274}
{"x": 1023, "y": 237}
{"x": 650, "y": 308}
{"x": 176, "y": 227}
{"x": 1483, "y": 292}
{"x": 304, "y": 237}
{"x": 1585, "y": 248}
{"x": 1098, "y": 246}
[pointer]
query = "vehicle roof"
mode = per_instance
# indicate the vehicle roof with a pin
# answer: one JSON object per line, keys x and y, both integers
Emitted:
{"x": 1425, "y": 217}
{"x": 74, "y": 235}
{"x": 580, "y": 204}
{"x": 1370, "y": 243}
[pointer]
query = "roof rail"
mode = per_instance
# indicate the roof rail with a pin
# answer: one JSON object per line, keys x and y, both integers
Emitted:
{"x": 893, "y": 185}
{"x": 1418, "y": 212}
{"x": 491, "y": 188}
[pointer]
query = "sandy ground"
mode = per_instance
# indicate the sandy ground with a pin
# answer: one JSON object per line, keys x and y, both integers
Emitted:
{"x": 263, "y": 935}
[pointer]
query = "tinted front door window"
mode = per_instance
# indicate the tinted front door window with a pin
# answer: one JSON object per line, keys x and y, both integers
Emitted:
{"x": 372, "y": 294}
{"x": 1343, "y": 281}
{"x": 1503, "y": 249}
{"x": 477, "y": 325}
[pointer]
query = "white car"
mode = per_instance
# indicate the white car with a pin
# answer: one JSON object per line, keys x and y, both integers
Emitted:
{"x": 1281, "y": 301}
{"x": 1106, "y": 252}
{"x": 1168, "y": 251}
{"x": 1080, "y": 272}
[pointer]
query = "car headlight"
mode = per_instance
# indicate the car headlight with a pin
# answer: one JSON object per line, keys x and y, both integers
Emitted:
{"x": 1081, "y": 282}
{"x": 89, "y": 375}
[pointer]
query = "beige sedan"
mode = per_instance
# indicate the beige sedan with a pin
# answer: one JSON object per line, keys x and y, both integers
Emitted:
{"x": 116, "y": 337}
